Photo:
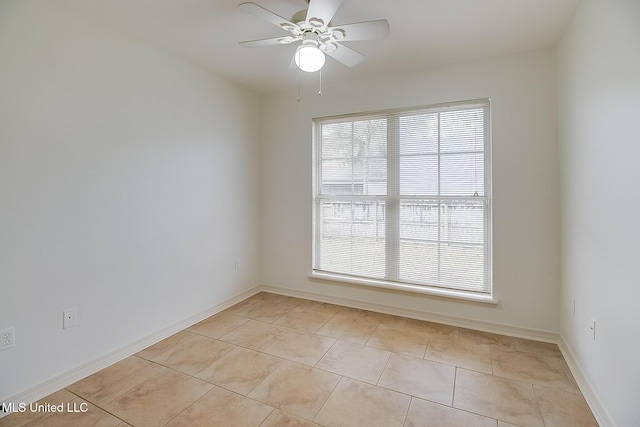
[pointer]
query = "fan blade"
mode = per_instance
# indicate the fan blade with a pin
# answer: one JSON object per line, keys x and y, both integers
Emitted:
{"x": 347, "y": 56}
{"x": 269, "y": 42}
{"x": 265, "y": 14}
{"x": 370, "y": 30}
{"x": 323, "y": 9}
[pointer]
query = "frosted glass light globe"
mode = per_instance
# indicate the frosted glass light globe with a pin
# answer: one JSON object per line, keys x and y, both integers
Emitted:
{"x": 309, "y": 58}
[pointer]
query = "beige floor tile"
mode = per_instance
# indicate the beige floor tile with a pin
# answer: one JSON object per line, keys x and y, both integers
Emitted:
{"x": 297, "y": 389}
{"x": 481, "y": 337}
{"x": 462, "y": 353}
{"x": 438, "y": 329}
{"x": 530, "y": 368}
{"x": 222, "y": 408}
{"x": 355, "y": 361}
{"x": 353, "y": 329}
{"x": 190, "y": 354}
{"x": 265, "y": 311}
{"x": 255, "y": 335}
{"x": 537, "y": 347}
{"x": 304, "y": 319}
{"x": 354, "y": 403}
{"x": 301, "y": 347}
{"x": 499, "y": 398}
{"x": 420, "y": 378}
{"x": 272, "y": 298}
{"x": 410, "y": 341}
{"x": 339, "y": 309}
{"x": 218, "y": 325}
{"x": 348, "y": 311}
{"x": 18, "y": 419}
{"x": 561, "y": 408}
{"x": 241, "y": 370}
{"x": 78, "y": 413}
{"x": 326, "y": 307}
{"x": 505, "y": 424}
{"x": 116, "y": 379}
{"x": 306, "y": 304}
{"x": 380, "y": 317}
{"x": 406, "y": 322}
{"x": 165, "y": 345}
{"x": 243, "y": 305}
{"x": 282, "y": 419}
{"x": 259, "y": 296}
{"x": 423, "y": 413}
{"x": 158, "y": 400}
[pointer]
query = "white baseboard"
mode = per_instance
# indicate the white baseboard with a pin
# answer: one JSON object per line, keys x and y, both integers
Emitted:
{"x": 479, "y": 325}
{"x": 600, "y": 412}
{"x": 63, "y": 380}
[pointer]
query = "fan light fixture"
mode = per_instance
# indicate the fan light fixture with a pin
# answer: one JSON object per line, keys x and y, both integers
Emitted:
{"x": 309, "y": 58}
{"x": 308, "y": 55}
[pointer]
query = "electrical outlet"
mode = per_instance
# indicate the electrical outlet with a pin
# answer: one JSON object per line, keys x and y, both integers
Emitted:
{"x": 7, "y": 338}
{"x": 69, "y": 318}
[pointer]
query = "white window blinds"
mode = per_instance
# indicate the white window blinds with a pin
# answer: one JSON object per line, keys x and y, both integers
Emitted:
{"x": 404, "y": 196}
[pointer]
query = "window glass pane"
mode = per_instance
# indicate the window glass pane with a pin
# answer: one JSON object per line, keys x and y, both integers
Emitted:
{"x": 418, "y": 261}
{"x": 419, "y": 220}
{"x": 371, "y": 175}
{"x": 462, "y": 222}
{"x": 370, "y": 138}
{"x": 462, "y": 130}
{"x": 337, "y": 177}
{"x": 337, "y": 140}
{"x": 419, "y": 175}
{"x": 462, "y": 267}
{"x": 352, "y": 238}
{"x": 354, "y": 158}
{"x": 419, "y": 134}
{"x": 461, "y": 174}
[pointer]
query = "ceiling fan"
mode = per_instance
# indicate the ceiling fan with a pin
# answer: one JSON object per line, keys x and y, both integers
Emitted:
{"x": 318, "y": 36}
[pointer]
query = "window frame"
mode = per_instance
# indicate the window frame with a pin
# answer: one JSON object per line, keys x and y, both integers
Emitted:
{"x": 393, "y": 200}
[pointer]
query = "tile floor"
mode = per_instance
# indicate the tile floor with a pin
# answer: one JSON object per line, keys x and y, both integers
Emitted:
{"x": 280, "y": 361}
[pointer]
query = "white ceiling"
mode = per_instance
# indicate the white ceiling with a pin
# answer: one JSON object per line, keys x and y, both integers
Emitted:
{"x": 424, "y": 33}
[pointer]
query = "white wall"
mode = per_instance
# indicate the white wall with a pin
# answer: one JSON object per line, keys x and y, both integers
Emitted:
{"x": 128, "y": 186}
{"x": 599, "y": 109}
{"x": 522, "y": 89}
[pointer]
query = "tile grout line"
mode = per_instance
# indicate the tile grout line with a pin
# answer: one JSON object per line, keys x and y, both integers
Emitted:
{"x": 101, "y": 408}
{"x": 101, "y": 405}
{"x": 384, "y": 368}
{"x": 453, "y": 395}
{"x": 325, "y": 402}
{"x": 404, "y": 422}
{"x": 188, "y": 406}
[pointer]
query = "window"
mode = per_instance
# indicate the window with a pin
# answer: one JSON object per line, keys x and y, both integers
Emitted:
{"x": 403, "y": 197}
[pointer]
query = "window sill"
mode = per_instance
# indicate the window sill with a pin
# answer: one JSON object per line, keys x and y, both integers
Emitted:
{"x": 445, "y": 293}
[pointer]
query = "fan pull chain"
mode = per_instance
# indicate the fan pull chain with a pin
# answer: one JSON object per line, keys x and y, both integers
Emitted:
{"x": 320, "y": 90}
